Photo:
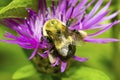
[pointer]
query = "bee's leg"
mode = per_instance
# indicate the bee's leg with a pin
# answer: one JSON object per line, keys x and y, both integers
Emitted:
{"x": 52, "y": 56}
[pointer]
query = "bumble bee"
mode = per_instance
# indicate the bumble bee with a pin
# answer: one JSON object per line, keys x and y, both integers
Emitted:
{"x": 63, "y": 39}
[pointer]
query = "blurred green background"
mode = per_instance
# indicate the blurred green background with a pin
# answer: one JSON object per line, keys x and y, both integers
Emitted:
{"x": 105, "y": 57}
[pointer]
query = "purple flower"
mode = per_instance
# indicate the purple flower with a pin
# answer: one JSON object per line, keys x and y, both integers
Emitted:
{"x": 72, "y": 15}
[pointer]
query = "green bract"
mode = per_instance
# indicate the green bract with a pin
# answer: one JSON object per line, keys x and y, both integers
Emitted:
{"x": 86, "y": 73}
{"x": 17, "y": 8}
{"x": 24, "y": 72}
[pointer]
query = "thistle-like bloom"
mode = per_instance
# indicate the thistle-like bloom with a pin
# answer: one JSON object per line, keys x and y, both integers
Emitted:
{"x": 72, "y": 14}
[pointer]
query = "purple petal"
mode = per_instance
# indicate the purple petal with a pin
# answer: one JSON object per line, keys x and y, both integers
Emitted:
{"x": 73, "y": 2}
{"x": 79, "y": 13}
{"x": 105, "y": 29}
{"x": 101, "y": 13}
{"x": 44, "y": 44}
{"x": 38, "y": 29}
{"x": 104, "y": 9}
{"x": 9, "y": 35}
{"x": 9, "y": 23}
{"x": 69, "y": 13}
{"x": 93, "y": 11}
{"x": 10, "y": 41}
{"x": 45, "y": 54}
{"x": 100, "y": 40}
{"x": 79, "y": 59}
{"x": 29, "y": 27}
{"x": 19, "y": 28}
{"x": 57, "y": 62}
{"x": 99, "y": 26}
{"x": 22, "y": 41}
{"x": 32, "y": 14}
{"x": 80, "y": 5}
{"x": 77, "y": 26}
{"x": 63, "y": 6}
{"x": 111, "y": 16}
{"x": 82, "y": 16}
{"x": 42, "y": 6}
{"x": 23, "y": 45}
{"x": 34, "y": 52}
{"x": 79, "y": 10}
{"x": 53, "y": 7}
{"x": 63, "y": 66}
{"x": 88, "y": 5}
{"x": 95, "y": 20}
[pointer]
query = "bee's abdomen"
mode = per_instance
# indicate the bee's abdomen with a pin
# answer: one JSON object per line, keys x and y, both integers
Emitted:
{"x": 70, "y": 53}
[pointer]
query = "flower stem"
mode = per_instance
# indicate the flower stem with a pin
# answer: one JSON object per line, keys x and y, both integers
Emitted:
{"x": 116, "y": 46}
{"x": 56, "y": 78}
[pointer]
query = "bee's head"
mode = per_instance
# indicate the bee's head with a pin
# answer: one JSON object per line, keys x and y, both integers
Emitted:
{"x": 53, "y": 27}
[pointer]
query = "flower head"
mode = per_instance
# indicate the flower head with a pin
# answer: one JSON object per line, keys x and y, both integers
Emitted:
{"x": 54, "y": 31}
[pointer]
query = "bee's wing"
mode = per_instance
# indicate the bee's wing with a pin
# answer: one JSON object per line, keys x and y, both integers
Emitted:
{"x": 77, "y": 38}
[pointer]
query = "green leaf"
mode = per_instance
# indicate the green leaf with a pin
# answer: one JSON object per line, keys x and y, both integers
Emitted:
{"x": 4, "y": 2}
{"x": 85, "y": 73}
{"x": 17, "y": 8}
{"x": 24, "y": 72}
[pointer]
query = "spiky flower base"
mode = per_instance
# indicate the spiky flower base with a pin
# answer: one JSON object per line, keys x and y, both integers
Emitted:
{"x": 43, "y": 65}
